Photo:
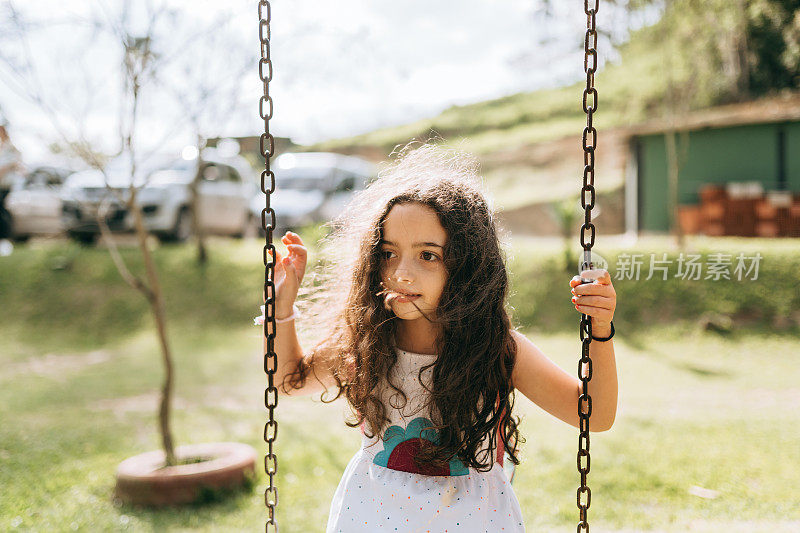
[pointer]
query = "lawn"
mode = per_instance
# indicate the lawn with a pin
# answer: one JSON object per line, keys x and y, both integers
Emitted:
{"x": 705, "y": 437}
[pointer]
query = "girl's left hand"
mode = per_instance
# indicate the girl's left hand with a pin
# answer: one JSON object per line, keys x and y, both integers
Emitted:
{"x": 596, "y": 299}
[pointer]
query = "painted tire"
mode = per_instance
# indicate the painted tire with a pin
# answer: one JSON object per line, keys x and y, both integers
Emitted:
{"x": 141, "y": 480}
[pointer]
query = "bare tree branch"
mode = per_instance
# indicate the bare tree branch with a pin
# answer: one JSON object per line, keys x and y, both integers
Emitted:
{"x": 126, "y": 274}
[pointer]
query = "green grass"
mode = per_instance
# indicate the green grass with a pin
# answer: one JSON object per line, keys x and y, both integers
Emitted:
{"x": 81, "y": 370}
{"x": 764, "y": 304}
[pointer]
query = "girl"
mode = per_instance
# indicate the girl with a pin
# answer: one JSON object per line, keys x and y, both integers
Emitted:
{"x": 411, "y": 298}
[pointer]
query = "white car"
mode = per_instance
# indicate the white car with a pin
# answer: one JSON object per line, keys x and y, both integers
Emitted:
{"x": 34, "y": 203}
{"x": 312, "y": 187}
{"x": 225, "y": 189}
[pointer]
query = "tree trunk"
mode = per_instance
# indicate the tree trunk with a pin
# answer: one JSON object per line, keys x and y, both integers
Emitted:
{"x": 202, "y": 255}
{"x": 672, "y": 182}
{"x": 676, "y": 104}
{"x": 156, "y": 299}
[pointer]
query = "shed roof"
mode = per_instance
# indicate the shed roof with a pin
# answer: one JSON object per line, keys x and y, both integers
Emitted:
{"x": 781, "y": 108}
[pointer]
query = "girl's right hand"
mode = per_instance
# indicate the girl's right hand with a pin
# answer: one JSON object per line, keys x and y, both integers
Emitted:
{"x": 289, "y": 273}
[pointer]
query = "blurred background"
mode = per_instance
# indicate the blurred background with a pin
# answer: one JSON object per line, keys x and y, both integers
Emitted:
{"x": 131, "y": 215}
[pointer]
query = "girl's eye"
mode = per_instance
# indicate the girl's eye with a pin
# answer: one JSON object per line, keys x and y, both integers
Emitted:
{"x": 428, "y": 256}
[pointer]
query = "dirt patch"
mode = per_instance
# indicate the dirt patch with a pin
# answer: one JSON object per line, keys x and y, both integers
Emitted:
{"x": 538, "y": 174}
{"x": 762, "y": 399}
{"x": 56, "y": 365}
{"x": 229, "y": 399}
{"x": 143, "y": 403}
{"x": 539, "y": 219}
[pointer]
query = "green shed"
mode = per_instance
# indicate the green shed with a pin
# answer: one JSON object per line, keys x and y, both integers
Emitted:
{"x": 751, "y": 142}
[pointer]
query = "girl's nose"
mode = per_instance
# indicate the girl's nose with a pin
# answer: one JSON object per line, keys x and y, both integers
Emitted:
{"x": 404, "y": 270}
{"x": 401, "y": 276}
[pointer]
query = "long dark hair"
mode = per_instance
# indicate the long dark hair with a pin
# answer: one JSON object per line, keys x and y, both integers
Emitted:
{"x": 471, "y": 394}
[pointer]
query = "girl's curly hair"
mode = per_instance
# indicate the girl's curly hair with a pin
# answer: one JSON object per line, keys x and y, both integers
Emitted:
{"x": 472, "y": 395}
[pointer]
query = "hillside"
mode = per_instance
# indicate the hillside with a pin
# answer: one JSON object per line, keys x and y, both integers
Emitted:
{"x": 529, "y": 144}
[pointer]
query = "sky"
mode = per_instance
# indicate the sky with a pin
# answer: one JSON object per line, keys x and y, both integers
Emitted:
{"x": 340, "y": 68}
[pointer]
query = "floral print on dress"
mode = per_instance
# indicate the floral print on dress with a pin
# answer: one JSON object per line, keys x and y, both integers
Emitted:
{"x": 400, "y": 446}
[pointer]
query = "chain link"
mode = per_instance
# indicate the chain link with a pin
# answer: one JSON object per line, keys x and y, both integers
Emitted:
{"x": 589, "y": 143}
{"x": 267, "y": 148}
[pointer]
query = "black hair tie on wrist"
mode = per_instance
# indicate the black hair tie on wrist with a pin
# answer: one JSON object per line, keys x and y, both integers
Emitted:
{"x": 607, "y": 338}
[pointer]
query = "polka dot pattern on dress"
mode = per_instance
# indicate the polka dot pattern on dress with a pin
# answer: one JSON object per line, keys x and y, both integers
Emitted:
{"x": 372, "y": 497}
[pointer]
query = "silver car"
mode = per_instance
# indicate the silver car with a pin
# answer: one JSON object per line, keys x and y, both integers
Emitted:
{"x": 34, "y": 203}
{"x": 225, "y": 189}
{"x": 312, "y": 187}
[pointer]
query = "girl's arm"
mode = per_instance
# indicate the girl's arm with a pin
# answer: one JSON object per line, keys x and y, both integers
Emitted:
{"x": 554, "y": 390}
{"x": 290, "y": 355}
{"x": 289, "y": 273}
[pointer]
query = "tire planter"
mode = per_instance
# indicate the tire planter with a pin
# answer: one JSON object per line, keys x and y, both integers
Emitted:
{"x": 143, "y": 479}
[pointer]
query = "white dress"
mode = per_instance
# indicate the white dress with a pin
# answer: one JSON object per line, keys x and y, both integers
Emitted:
{"x": 382, "y": 490}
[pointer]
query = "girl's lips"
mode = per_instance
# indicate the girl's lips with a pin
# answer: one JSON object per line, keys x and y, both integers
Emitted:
{"x": 403, "y": 297}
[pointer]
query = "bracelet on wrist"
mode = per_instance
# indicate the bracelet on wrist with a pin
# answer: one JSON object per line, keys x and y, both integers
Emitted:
{"x": 605, "y": 338}
{"x": 259, "y": 320}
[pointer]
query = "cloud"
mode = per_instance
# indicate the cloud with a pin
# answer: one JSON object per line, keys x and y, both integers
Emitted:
{"x": 340, "y": 68}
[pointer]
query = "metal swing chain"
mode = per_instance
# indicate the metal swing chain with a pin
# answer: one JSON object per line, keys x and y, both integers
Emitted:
{"x": 267, "y": 148}
{"x": 585, "y": 329}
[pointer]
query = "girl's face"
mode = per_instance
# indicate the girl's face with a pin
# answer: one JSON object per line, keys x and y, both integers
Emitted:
{"x": 412, "y": 260}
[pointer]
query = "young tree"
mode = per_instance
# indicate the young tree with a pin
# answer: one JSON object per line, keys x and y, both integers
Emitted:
{"x": 149, "y": 39}
{"x": 209, "y": 95}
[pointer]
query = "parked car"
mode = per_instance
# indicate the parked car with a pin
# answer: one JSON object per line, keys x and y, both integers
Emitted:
{"x": 34, "y": 203}
{"x": 312, "y": 187}
{"x": 225, "y": 189}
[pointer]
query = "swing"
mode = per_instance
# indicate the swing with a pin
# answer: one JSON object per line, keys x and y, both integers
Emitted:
{"x": 267, "y": 149}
